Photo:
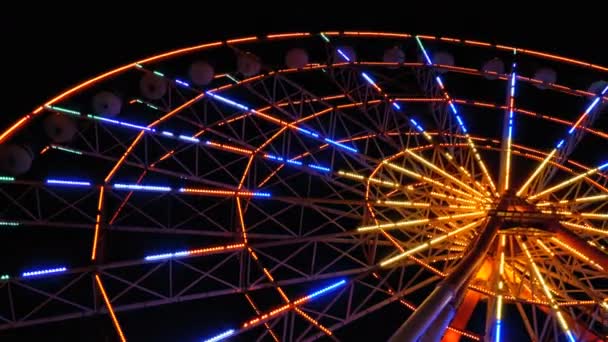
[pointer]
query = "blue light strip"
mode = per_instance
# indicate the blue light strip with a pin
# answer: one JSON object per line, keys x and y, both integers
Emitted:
{"x": 440, "y": 82}
{"x": 418, "y": 127}
{"x": 589, "y": 109}
{"x": 326, "y": 289}
{"x": 182, "y": 83}
{"x": 296, "y": 162}
{"x": 43, "y": 272}
{"x": 168, "y": 134}
{"x": 303, "y": 130}
{"x": 190, "y": 139}
{"x": 227, "y": 101}
{"x": 343, "y": 55}
{"x": 9, "y": 223}
{"x": 261, "y": 194}
{"x": 159, "y": 256}
{"x": 141, "y": 187}
{"x": 570, "y": 336}
{"x": 67, "y": 182}
{"x": 497, "y": 331}
{"x": 318, "y": 167}
{"x": 335, "y": 143}
{"x": 221, "y": 336}
{"x": 369, "y": 80}
{"x": 120, "y": 123}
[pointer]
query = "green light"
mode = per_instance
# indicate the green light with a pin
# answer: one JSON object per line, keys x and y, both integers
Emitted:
{"x": 232, "y": 78}
{"x": 324, "y": 37}
{"x": 7, "y": 179}
{"x": 4, "y": 277}
{"x": 9, "y": 223}
{"x": 152, "y": 106}
{"x": 65, "y": 149}
{"x": 64, "y": 110}
{"x": 158, "y": 73}
{"x": 139, "y": 65}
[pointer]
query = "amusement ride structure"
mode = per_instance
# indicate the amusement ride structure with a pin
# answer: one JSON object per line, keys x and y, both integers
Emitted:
{"x": 308, "y": 186}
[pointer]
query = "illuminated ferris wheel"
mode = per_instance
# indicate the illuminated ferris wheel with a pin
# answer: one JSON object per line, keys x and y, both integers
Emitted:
{"x": 310, "y": 186}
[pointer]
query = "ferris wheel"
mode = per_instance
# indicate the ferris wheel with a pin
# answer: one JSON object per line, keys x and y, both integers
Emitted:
{"x": 315, "y": 186}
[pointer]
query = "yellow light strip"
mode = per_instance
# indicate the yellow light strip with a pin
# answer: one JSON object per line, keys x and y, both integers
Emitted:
{"x": 594, "y": 215}
{"x": 429, "y": 243}
{"x": 576, "y": 252}
{"x": 400, "y": 224}
{"x": 585, "y": 199}
{"x": 370, "y": 179}
{"x": 584, "y": 227}
{"x": 406, "y": 204}
{"x": 543, "y": 246}
{"x": 430, "y": 180}
{"x": 536, "y": 172}
{"x": 565, "y": 183}
{"x": 452, "y": 198}
{"x": 554, "y": 306}
{"x": 442, "y": 172}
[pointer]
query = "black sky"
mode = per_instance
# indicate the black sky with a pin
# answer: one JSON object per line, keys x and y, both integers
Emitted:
{"x": 45, "y": 53}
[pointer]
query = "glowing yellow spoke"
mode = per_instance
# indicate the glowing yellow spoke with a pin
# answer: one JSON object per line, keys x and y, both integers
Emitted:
{"x": 409, "y": 204}
{"x": 583, "y": 199}
{"x": 499, "y": 287}
{"x": 554, "y": 306}
{"x": 543, "y": 246}
{"x": 393, "y": 185}
{"x": 401, "y": 224}
{"x": 594, "y": 216}
{"x": 576, "y": 252}
{"x": 442, "y": 172}
{"x": 451, "y": 198}
{"x": 536, "y": 172}
{"x": 591, "y": 216}
{"x": 568, "y": 182}
{"x": 585, "y": 227}
{"x": 428, "y": 244}
{"x": 373, "y": 180}
{"x": 405, "y": 204}
{"x": 430, "y": 180}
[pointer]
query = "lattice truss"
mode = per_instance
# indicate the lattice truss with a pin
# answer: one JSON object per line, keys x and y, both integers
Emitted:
{"x": 307, "y": 199}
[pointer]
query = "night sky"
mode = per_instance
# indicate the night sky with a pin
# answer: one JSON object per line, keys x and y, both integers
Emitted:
{"x": 44, "y": 54}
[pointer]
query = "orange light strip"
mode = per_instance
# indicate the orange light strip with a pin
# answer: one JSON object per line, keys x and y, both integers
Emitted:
{"x": 11, "y": 129}
{"x": 475, "y": 42}
{"x": 257, "y": 312}
{"x": 377, "y": 34}
{"x": 288, "y": 35}
{"x": 110, "y": 309}
{"x": 97, "y": 223}
{"x": 241, "y": 40}
{"x": 230, "y": 148}
{"x": 123, "y": 157}
{"x": 313, "y": 321}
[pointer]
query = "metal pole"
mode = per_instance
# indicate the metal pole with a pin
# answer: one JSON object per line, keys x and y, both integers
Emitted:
{"x": 437, "y": 329}
{"x": 444, "y": 293}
